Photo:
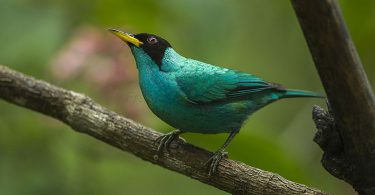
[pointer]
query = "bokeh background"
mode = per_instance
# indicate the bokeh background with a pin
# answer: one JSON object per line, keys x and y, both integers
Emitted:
{"x": 66, "y": 43}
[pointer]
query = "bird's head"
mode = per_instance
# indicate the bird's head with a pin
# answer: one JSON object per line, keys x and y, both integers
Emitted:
{"x": 144, "y": 45}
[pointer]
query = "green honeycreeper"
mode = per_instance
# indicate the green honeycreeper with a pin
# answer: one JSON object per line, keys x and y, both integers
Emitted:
{"x": 197, "y": 97}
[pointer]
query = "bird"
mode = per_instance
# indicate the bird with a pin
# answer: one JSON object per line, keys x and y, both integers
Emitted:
{"x": 197, "y": 97}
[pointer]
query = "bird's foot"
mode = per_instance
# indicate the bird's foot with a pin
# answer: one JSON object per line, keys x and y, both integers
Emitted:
{"x": 213, "y": 162}
{"x": 166, "y": 139}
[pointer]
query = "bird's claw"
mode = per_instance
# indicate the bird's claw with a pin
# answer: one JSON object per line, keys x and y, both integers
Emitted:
{"x": 213, "y": 162}
{"x": 165, "y": 140}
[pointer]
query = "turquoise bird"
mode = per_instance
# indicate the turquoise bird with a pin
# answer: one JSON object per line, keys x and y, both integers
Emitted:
{"x": 197, "y": 97}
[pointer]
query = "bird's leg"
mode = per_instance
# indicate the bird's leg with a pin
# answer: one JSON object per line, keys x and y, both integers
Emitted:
{"x": 166, "y": 139}
{"x": 219, "y": 154}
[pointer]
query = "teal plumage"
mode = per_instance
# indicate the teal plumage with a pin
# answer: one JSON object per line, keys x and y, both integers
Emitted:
{"x": 193, "y": 96}
{"x": 213, "y": 99}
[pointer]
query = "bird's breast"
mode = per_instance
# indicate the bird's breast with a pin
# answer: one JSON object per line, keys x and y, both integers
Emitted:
{"x": 160, "y": 92}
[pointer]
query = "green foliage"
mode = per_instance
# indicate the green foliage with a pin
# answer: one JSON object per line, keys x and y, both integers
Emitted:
{"x": 41, "y": 156}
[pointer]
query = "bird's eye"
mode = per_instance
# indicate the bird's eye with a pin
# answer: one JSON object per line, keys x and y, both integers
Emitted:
{"x": 152, "y": 40}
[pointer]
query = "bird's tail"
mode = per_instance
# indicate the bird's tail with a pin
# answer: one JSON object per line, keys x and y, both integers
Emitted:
{"x": 291, "y": 93}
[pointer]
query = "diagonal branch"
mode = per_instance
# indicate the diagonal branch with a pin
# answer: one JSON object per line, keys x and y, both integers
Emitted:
{"x": 352, "y": 157}
{"x": 86, "y": 116}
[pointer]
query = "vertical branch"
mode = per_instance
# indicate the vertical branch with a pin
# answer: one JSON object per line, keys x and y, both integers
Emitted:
{"x": 349, "y": 92}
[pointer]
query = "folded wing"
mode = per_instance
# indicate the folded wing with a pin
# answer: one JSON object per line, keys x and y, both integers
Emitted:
{"x": 212, "y": 84}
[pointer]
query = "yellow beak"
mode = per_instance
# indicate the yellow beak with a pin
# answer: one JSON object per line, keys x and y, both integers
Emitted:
{"x": 126, "y": 37}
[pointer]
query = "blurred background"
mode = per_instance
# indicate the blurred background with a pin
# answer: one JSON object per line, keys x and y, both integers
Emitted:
{"x": 66, "y": 42}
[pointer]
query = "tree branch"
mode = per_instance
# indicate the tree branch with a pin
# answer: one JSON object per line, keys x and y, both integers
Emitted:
{"x": 86, "y": 116}
{"x": 351, "y": 123}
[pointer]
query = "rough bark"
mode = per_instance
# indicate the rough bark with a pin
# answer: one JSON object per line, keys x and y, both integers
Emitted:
{"x": 347, "y": 132}
{"x": 85, "y": 116}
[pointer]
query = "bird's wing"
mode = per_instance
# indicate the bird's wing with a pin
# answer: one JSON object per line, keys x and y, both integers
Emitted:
{"x": 214, "y": 84}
